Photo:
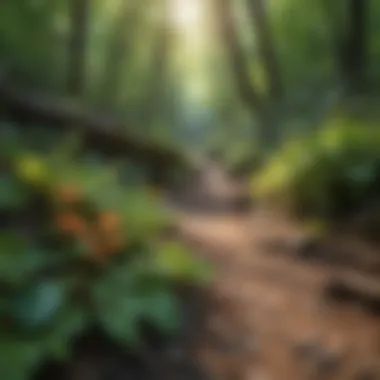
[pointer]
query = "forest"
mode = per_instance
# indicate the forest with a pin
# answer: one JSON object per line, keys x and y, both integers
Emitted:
{"x": 182, "y": 179}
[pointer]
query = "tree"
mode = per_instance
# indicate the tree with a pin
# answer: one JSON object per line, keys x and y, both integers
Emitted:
{"x": 263, "y": 111}
{"x": 356, "y": 44}
{"x": 119, "y": 49}
{"x": 157, "y": 85}
{"x": 230, "y": 39}
{"x": 76, "y": 68}
{"x": 266, "y": 46}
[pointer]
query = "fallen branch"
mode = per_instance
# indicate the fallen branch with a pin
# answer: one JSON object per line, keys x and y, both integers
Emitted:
{"x": 101, "y": 132}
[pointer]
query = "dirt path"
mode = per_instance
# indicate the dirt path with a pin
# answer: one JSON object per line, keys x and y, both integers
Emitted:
{"x": 270, "y": 321}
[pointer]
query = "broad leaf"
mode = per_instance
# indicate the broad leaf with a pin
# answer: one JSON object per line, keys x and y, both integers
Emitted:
{"x": 36, "y": 305}
{"x": 117, "y": 306}
{"x": 18, "y": 261}
{"x": 12, "y": 194}
{"x": 19, "y": 358}
{"x": 70, "y": 322}
{"x": 174, "y": 260}
{"x": 162, "y": 310}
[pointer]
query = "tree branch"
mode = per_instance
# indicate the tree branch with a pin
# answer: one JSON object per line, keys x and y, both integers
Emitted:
{"x": 101, "y": 132}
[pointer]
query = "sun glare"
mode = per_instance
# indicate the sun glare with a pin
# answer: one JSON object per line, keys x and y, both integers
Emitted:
{"x": 186, "y": 13}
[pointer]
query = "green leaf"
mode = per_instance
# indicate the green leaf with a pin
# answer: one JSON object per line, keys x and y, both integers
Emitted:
{"x": 121, "y": 319}
{"x": 12, "y": 194}
{"x": 175, "y": 261}
{"x": 18, "y": 357}
{"x": 162, "y": 310}
{"x": 36, "y": 305}
{"x": 118, "y": 308}
{"x": 18, "y": 261}
{"x": 70, "y": 322}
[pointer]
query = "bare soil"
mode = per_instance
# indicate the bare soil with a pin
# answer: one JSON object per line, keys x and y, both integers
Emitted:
{"x": 276, "y": 316}
{"x": 269, "y": 314}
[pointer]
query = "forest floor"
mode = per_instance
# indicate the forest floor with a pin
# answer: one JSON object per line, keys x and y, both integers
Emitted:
{"x": 269, "y": 316}
{"x": 274, "y": 310}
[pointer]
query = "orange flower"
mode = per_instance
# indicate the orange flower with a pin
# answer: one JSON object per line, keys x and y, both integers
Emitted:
{"x": 69, "y": 194}
{"x": 103, "y": 240}
{"x": 114, "y": 243}
{"x": 108, "y": 222}
{"x": 97, "y": 251}
{"x": 71, "y": 223}
{"x": 93, "y": 249}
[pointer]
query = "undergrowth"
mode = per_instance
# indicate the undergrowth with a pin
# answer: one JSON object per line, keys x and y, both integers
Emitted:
{"x": 80, "y": 245}
{"x": 329, "y": 174}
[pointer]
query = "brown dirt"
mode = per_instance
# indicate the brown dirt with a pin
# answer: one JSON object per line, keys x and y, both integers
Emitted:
{"x": 270, "y": 319}
{"x": 265, "y": 316}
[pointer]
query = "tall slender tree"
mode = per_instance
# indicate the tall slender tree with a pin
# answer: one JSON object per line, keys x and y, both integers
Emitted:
{"x": 356, "y": 45}
{"x": 157, "y": 86}
{"x": 262, "y": 106}
{"x": 119, "y": 49}
{"x": 76, "y": 67}
{"x": 226, "y": 24}
{"x": 265, "y": 43}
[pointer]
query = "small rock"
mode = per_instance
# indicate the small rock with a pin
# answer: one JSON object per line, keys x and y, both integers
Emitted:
{"x": 323, "y": 361}
{"x": 367, "y": 374}
{"x": 237, "y": 345}
{"x": 307, "y": 247}
{"x": 276, "y": 246}
{"x": 242, "y": 204}
{"x": 251, "y": 345}
{"x": 370, "y": 304}
{"x": 175, "y": 354}
{"x": 336, "y": 290}
{"x": 306, "y": 350}
{"x": 327, "y": 362}
{"x": 223, "y": 344}
{"x": 257, "y": 374}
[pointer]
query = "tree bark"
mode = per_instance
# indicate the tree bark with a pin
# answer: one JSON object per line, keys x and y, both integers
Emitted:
{"x": 266, "y": 46}
{"x": 351, "y": 44}
{"x": 354, "y": 59}
{"x": 157, "y": 85}
{"x": 264, "y": 109}
{"x": 76, "y": 67}
{"x": 119, "y": 49}
{"x": 228, "y": 32}
{"x": 101, "y": 132}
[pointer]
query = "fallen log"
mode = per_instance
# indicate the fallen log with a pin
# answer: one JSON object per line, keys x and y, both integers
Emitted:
{"x": 102, "y": 132}
{"x": 356, "y": 289}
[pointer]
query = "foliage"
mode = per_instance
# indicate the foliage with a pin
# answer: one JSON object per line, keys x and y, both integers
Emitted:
{"x": 79, "y": 247}
{"x": 330, "y": 173}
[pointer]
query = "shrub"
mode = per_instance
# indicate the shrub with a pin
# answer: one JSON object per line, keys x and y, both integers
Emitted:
{"x": 78, "y": 248}
{"x": 330, "y": 173}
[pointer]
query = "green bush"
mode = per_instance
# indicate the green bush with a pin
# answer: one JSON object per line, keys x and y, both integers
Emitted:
{"x": 76, "y": 248}
{"x": 330, "y": 173}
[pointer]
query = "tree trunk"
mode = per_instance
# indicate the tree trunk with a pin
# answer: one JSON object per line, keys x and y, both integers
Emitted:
{"x": 238, "y": 61}
{"x": 356, "y": 49}
{"x": 76, "y": 68}
{"x": 100, "y": 132}
{"x": 119, "y": 49}
{"x": 262, "y": 108}
{"x": 157, "y": 85}
{"x": 258, "y": 12}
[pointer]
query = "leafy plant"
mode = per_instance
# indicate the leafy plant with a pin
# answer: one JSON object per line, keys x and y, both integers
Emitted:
{"x": 79, "y": 247}
{"x": 330, "y": 173}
